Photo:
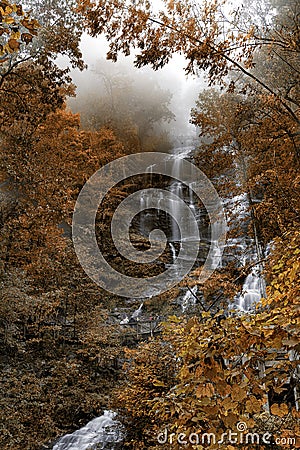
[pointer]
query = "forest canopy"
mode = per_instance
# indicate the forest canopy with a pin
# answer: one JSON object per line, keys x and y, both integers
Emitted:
{"x": 65, "y": 356}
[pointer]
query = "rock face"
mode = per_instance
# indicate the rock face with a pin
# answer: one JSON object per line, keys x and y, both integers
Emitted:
{"x": 104, "y": 432}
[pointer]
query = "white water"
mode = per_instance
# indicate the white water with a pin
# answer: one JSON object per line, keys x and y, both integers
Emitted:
{"x": 251, "y": 292}
{"x": 253, "y": 287}
{"x": 237, "y": 251}
{"x": 216, "y": 257}
{"x": 134, "y": 316}
{"x": 189, "y": 299}
{"x": 178, "y": 189}
{"x": 176, "y": 208}
{"x": 173, "y": 251}
{"x": 99, "y": 433}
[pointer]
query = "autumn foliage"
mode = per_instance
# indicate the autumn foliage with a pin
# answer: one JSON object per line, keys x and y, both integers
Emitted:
{"x": 61, "y": 352}
{"x": 229, "y": 368}
{"x": 220, "y": 379}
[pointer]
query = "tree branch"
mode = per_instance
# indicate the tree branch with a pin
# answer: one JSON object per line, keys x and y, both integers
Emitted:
{"x": 196, "y": 41}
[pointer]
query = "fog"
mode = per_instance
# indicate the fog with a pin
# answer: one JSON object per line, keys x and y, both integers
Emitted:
{"x": 123, "y": 83}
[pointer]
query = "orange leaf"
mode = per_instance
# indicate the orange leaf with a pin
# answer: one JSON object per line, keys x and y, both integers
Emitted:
{"x": 279, "y": 410}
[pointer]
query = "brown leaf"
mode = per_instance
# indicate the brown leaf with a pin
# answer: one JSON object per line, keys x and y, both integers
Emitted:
{"x": 238, "y": 394}
{"x": 279, "y": 410}
{"x": 14, "y": 44}
{"x": 206, "y": 390}
{"x": 26, "y": 37}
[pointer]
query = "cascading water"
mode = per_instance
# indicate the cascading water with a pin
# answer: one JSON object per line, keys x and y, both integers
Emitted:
{"x": 254, "y": 286}
{"x": 189, "y": 299}
{"x": 104, "y": 432}
{"x": 176, "y": 208}
{"x": 216, "y": 257}
{"x": 182, "y": 195}
{"x": 173, "y": 251}
{"x": 181, "y": 191}
{"x": 251, "y": 292}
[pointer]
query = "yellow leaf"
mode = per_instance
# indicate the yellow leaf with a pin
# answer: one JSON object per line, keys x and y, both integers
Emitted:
{"x": 16, "y": 35}
{"x": 279, "y": 410}
{"x": 158, "y": 383}
{"x": 9, "y": 20}
{"x": 8, "y": 10}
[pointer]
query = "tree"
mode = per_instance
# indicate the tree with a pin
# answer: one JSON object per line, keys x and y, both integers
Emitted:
{"x": 30, "y": 71}
{"x": 219, "y": 359}
{"x": 16, "y": 29}
{"x": 201, "y": 32}
{"x": 150, "y": 374}
{"x": 248, "y": 147}
{"x": 54, "y": 319}
{"x": 136, "y": 108}
{"x": 45, "y": 296}
{"x": 218, "y": 377}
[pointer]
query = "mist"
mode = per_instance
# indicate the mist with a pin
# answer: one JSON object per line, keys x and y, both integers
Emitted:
{"x": 158, "y": 103}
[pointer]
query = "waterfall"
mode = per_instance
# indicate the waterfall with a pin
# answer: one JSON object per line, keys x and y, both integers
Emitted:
{"x": 189, "y": 299}
{"x": 176, "y": 209}
{"x": 191, "y": 197}
{"x": 216, "y": 258}
{"x": 173, "y": 251}
{"x": 236, "y": 250}
{"x": 100, "y": 433}
{"x": 243, "y": 251}
{"x": 185, "y": 195}
{"x": 142, "y": 216}
{"x": 254, "y": 286}
{"x": 251, "y": 292}
{"x": 182, "y": 194}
